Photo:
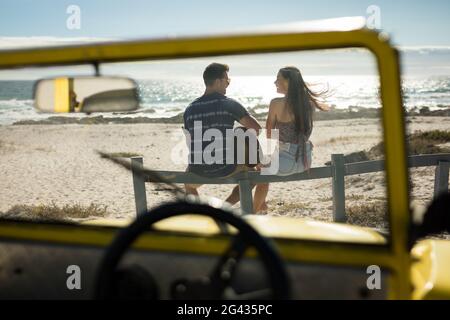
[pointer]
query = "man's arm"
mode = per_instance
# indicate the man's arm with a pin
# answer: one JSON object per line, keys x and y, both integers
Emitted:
{"x": 243, "y": 117}
{"x": 250, "y": 122}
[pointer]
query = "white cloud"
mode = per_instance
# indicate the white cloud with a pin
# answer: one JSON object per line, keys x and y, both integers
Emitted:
{"x": 7, "y": 43}
{"x": 424, "y": 49}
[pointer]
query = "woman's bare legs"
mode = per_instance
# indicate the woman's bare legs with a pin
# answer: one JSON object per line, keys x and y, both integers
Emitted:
{"x": 259, "y": 201}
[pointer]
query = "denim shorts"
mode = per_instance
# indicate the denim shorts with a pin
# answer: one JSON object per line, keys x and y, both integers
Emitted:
{"x": 287, "y": 164}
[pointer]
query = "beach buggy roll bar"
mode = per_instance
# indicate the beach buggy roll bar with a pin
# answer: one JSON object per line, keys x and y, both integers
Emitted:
{"x": 350, "y": 32}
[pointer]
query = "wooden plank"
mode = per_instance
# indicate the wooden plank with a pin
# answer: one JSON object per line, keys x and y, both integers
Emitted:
{"x": 441, "y": 178}
{"x": 140, "y": 196}
{"x": 338, "y": 170}
{"x": 426, "y": 160}
{"x": 187, "y": 177}
{"x": 245, "y": 193}
{"x": 313, "y": 173}
{"x": 254, "y": 177}
{"x": 364, "y": 167}
{"x": 423, "y": 160}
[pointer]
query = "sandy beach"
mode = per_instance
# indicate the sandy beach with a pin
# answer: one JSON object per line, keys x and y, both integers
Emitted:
{"x": 41, "y": 164}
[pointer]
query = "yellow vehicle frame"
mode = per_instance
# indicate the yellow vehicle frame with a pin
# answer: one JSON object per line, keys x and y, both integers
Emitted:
{"x": 395, "y": 256}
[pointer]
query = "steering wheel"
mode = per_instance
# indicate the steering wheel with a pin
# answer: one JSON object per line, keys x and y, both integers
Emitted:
{"x": 216, "y": 285}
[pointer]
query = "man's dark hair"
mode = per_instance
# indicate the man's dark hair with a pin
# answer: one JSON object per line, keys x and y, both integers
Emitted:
{"x": 214, "y": 71}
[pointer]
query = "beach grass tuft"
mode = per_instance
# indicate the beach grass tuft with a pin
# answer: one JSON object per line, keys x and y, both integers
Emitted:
{"x": 419, "y": 142}
{"x": 368, "y": 214}
{"x": 54, "y": 212}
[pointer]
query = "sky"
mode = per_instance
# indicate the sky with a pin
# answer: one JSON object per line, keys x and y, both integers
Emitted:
{"x": 418, "y": 28}
{"x": 409, "y": 22}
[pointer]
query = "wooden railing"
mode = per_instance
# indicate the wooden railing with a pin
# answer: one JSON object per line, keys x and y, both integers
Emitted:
{"x": 337, "y": 171}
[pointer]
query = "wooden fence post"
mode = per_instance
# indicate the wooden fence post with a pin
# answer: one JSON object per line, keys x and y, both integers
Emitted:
{"x": 245, "y": 194}
{"x": 140, "y": 196}
{"x": 338, "y": 174}
{"x": 441, "y": 178}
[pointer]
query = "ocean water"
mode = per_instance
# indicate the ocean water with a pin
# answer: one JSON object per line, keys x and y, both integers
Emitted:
{"x": 169, "y": 97}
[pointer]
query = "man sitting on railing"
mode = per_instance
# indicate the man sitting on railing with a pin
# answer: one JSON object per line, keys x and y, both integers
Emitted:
{"x": 208, "y": 120}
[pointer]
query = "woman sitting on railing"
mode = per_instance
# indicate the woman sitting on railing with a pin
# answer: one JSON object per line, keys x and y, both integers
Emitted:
{"x": 292, "y": 116}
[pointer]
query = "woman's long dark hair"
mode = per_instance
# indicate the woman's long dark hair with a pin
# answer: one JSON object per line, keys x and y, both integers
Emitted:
{"x": 301, "y": 100}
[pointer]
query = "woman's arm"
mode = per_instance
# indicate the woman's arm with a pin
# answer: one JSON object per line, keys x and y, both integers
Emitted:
{"x": 271, "y": 119}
